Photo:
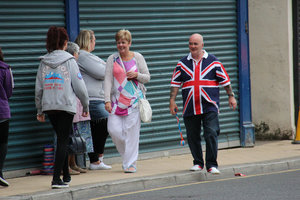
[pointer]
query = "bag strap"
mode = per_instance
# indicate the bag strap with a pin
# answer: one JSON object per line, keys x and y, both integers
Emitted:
{"x": 122, "y": 62}
{"x": 75, "y": 128}
{"x": 137, "y": 94}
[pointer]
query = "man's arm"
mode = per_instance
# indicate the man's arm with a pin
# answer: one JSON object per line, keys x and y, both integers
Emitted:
{"x": 173, "y": 93}
{"x": 229, "y": 90}
{"x": 231, "y": 98}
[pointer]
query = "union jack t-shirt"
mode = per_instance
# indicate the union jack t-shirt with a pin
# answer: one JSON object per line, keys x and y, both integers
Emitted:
{"x": 200, "y": 83}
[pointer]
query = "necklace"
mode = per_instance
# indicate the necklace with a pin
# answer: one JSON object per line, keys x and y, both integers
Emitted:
{"x": 127, "y": 57}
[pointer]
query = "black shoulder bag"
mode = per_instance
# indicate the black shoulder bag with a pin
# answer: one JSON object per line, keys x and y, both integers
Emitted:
{"x": 77, "y": 144}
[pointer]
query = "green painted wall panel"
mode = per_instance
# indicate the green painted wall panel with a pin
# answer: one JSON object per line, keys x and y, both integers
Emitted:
{"x": 23, "y": 28}
{"x": 160, "y": 32}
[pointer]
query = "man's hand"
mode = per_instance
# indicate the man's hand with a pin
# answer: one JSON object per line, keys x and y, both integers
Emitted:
{"x": 108, "y": 107}
{"x": 173, "y": 93}
{"x": 173, "y": 107}
{"x": 231, "y": 99}
{"x": 232, "y": 102}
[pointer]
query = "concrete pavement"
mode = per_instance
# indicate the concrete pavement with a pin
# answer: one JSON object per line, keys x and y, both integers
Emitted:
{"x": 158, "y": 169}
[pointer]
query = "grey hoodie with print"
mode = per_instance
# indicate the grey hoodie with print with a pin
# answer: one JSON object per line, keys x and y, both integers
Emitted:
{"x": 58, "y": 82}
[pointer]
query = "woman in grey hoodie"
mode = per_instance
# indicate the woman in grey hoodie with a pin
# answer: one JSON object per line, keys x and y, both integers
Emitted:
{"x": 58, "y": 82}
{"x": 93, "y": 71}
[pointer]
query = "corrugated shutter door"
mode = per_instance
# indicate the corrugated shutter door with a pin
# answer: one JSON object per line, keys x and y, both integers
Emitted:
{"x": 160, "y": 31}
{"x": 23, "y": 28}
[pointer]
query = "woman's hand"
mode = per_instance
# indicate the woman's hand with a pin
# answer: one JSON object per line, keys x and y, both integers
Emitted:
{"x": 108, "y": 107}
{"x": 131, "y": 75}
{"x": 85, "y": 114}
{"x": 40, "y": 117}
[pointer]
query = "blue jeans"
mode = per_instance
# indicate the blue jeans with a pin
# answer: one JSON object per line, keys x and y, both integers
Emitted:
{"x": 97, "y": 110}
{"x": 211, "y": 131}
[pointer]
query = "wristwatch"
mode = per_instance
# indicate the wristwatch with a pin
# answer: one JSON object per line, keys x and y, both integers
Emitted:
{"x": 231, "y": 94}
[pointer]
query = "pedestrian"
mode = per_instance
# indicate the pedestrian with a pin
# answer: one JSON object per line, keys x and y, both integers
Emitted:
{"x": 80, "y": 123}
{"x": 58, "y": 82}
{"x": 6, "y": 88}
{"x": 93, "y": 71}
{"x": 201, "y": 74}
{"x": 125, "y": 76}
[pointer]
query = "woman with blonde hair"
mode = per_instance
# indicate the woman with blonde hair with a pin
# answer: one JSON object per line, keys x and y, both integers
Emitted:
{"x": 93, "y": 71}
{"x": 126, "y": 73}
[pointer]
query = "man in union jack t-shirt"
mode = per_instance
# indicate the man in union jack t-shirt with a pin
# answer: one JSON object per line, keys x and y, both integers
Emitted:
{"x": 200, "y": 75}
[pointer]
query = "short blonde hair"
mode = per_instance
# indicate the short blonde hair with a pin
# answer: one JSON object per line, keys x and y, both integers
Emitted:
{"x": 84, "y": 39}
{"x": 123, "y": 35}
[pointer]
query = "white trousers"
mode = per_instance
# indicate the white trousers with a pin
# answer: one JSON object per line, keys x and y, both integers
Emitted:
{"x": 125, "y": 133}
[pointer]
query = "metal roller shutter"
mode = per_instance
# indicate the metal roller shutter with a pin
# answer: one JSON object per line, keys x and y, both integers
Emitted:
{"x": 23, "y": 28}
{"x": 160, "y": 31}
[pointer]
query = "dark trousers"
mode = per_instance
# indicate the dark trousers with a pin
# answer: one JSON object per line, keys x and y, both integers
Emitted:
{"x": 4, "y": 127}
{"x": 62, "y": 124}
{"x": 99, "y": 136}
{"x": 211, "y": 131}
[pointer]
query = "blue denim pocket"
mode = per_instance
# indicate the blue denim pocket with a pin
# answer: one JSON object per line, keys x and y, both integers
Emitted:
{"x": 97, "y": 110}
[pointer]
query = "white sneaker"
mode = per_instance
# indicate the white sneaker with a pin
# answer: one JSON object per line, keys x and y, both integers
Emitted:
{"x": 99, "y": 166}
{"x": 213, "y": 170}
{"x": 196, "y": 168}
{"x": 104, "y": 166}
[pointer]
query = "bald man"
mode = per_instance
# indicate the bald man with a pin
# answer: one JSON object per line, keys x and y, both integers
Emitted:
{"x": 200, "y": 75}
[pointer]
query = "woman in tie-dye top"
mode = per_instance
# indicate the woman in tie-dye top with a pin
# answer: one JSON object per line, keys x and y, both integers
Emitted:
{"x": 124, "y": 71}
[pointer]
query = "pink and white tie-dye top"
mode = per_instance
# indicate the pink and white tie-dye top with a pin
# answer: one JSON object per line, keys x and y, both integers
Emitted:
{"x": 124, "y": 99}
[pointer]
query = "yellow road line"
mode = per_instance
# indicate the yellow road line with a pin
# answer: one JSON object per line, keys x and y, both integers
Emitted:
{"x": 195, "y": 183}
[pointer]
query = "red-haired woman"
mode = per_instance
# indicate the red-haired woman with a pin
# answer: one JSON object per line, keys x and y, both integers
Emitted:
{"x": 58, "y": 82}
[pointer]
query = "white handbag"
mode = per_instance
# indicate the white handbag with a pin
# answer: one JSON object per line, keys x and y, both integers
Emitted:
{"x": 144, "y": 108}
{"x": 144, "y": 105}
